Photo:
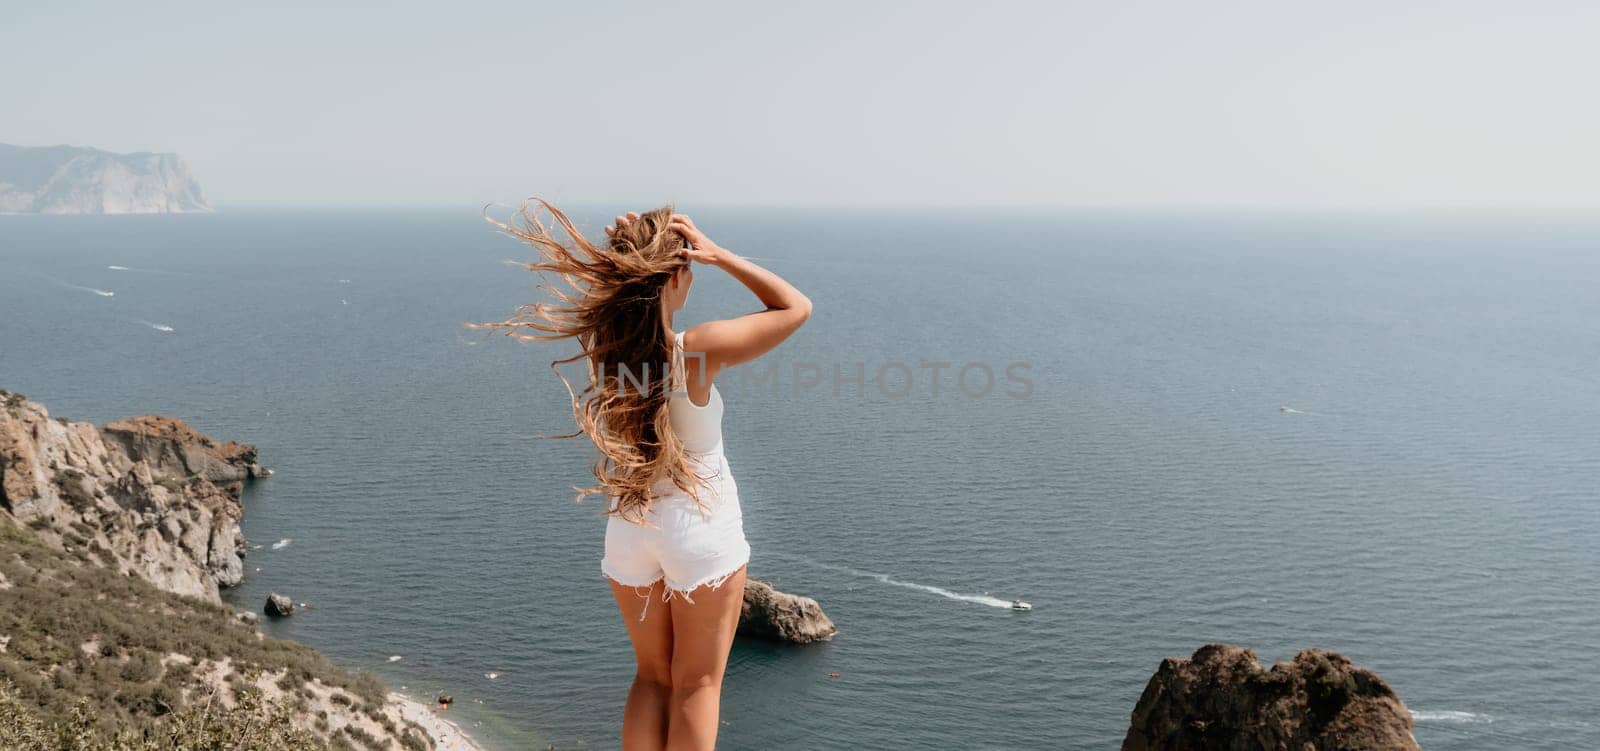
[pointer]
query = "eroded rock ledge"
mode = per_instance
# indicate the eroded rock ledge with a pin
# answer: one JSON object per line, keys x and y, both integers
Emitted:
{"x": 147, "y": 496}
{"x": 1221, "y": 699}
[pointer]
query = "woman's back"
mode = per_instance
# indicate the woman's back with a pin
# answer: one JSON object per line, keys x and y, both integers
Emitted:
{"x": 699, "y": 427}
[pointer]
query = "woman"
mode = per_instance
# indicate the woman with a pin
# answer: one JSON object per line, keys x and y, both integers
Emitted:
{"x": 675, "y": 535}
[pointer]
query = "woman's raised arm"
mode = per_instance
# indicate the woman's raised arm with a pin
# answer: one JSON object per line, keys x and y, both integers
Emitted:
{"x": 730, "y": 342}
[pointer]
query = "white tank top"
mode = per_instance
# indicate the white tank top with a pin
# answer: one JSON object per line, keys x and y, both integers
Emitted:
{"x": 700, "y": 428}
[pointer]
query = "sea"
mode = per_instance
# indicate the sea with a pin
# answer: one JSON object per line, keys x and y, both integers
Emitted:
{"x": 1374, "y": 432}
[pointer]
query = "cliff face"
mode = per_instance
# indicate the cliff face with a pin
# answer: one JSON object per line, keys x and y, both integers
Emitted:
{"x": 147, "y": 496}
{"x": 1221, "y": 699}
{"x": 74, "y": 180}
{"x": 100, "y": 530}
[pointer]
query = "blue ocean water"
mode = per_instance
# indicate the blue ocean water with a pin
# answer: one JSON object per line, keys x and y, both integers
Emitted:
{"x": 1372, "y": 433}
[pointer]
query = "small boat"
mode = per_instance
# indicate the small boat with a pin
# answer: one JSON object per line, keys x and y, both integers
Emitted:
{"x": 1020, "y": 605}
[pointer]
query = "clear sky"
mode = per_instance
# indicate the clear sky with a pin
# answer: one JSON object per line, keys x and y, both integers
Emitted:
{"x": 858, "y": 103}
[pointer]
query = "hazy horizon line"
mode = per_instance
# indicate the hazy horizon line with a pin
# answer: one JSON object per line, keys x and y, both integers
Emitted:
{"x": 982, "y": 207}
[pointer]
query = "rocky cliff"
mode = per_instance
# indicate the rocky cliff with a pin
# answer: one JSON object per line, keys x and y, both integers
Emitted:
{"x": 75, "y": 180}
{"x": 1221, "y": 699}
{"x": 113, "y": 543}
{"x": 148, "y": 496}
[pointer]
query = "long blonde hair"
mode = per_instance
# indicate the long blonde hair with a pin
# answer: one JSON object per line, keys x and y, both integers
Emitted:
{"x": 612, "y": 306}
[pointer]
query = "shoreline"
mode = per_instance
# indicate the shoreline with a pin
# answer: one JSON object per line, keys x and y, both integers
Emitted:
{"x": 447, "y": 734}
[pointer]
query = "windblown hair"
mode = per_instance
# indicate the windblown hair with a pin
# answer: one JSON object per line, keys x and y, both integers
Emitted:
{"x": 611, "y": 305}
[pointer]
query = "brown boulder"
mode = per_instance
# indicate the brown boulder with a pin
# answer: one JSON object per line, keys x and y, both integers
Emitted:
{"x": 278, "y": 606}
{"x": 776, "y": 616}
{"x": 1221, "y": 699}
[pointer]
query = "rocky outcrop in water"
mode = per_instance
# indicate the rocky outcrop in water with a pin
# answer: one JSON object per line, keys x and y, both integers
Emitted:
{"x": 76, "y": 180}
{"x": 147, "y": 496}
{"x": 1221, "y": 699}
{"x": 773, "y": 615}
{"x": 278, "y": 606}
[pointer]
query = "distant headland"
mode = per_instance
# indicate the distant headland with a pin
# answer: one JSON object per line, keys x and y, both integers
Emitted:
{"x": 79, "y": 180}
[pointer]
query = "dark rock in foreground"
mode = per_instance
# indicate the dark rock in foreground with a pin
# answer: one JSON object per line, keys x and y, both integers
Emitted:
{"x": 770, "y": 614}
{"x": 278, "y": 606}
{"x": 1221, "y": 699}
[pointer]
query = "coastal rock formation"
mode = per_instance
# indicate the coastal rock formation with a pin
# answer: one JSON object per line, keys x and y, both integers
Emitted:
{"x": 1221, "y": 699}
{"x": 278, "y": 606}
{"x": 113, "y": 542}
{"x": 75, "y": 180}
{"x": 770, "y": 614}
{"x": 147, "y": 496}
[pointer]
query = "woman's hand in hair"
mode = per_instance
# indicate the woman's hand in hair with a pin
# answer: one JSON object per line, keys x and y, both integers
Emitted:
{"x": 701, "y": 248}
{"x": 621, "y": 222}
{"x": 729, "y": 342}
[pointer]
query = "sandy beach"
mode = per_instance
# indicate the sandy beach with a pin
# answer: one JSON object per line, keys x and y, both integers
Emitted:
{"x": 448, "y": 735}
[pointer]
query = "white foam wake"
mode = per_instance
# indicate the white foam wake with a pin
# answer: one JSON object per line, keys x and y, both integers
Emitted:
{"x": 993, "y": 602}
{"x": 81, "y": 288}
{"x": 1288, "y": 410}
{"x": 70, "y": 285}
{"x": 1445, "y": 715}
{"x": 984, "y": 599}
{"x": 156, "y": 326}
{"x": 149, "y": 271}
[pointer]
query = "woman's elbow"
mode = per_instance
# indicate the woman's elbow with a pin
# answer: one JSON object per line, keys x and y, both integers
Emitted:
{"x": 803, "y": 308}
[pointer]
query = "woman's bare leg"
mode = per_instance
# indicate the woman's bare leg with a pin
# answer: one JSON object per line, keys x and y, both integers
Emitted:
{"x": 644, "y": 719}
{"x": 702, "y": 635}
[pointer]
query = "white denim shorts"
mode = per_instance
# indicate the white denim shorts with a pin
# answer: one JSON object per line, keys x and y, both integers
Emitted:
{"x": 680, "y": 542}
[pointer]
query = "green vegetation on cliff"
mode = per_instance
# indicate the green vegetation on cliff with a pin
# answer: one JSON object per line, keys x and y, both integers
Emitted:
{"x": 246, "y": 725}
{"x": 93, "y": 659}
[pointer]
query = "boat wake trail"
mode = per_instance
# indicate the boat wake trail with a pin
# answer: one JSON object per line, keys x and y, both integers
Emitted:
{"x": 157, "y": 326}
{"x": 1423, "y": 715}
{"x": 149, "y": 271}
{"x": 993, "y": 602}
{"x": 1288, "y": 410}
{"x": 69, "y": 285}
{"x": 81, "y": 288}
